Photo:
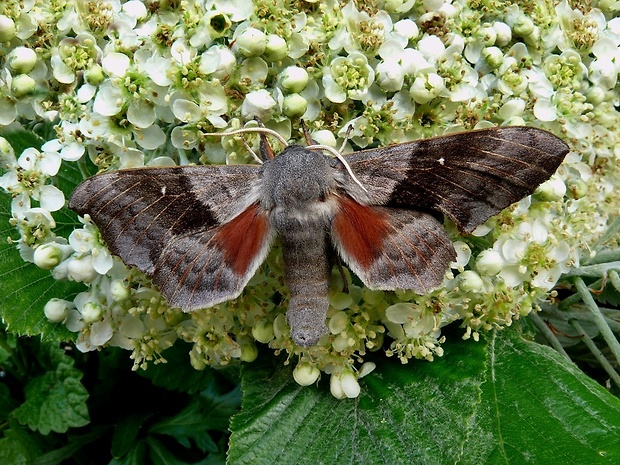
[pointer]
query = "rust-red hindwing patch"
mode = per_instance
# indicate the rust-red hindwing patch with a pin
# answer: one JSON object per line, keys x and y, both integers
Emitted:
{"x": 361, "y": 230}
{"x": 242, "y": 238}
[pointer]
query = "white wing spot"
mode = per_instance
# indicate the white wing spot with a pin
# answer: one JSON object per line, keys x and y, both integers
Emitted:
{"x": 441, "y": 161}
{"x": 163, "y": 190}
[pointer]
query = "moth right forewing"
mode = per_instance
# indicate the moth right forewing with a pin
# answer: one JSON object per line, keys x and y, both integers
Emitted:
{"x": 468, "y": 176}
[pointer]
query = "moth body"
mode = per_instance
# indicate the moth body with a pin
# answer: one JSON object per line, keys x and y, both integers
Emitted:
{"x": 201, "y": 232}
{"x": 298, "y": 188}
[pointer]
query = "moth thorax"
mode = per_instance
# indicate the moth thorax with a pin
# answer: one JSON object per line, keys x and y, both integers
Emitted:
{"x": 297, "y": 178}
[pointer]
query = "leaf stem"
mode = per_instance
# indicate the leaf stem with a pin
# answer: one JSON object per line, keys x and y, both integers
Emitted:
{"x": 598, "y": 318}
{"x": 613, "y": 374}
{"x": 544, "y": 329}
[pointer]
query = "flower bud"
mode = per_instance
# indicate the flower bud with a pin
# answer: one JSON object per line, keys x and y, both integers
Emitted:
{"x": 119, "y": 290}
{"x": 56, "y": 310}
{"x": 91, "y": 312}
{"x": 276, "y": 48}
{"x": 306, "y": 374}
{"x": 47, "y": 256}
{"x": 7, "y": 28}
{"x": 523, "y": 26}
{"x": 489, "y": 262}
{"x": 262, "y": 331}
{"x": 470, "y": 281}
{"x": 22, "y": 60}
{"x": 390, "y": 76}
{"x": 552, "y": 189}
{"x": 249, "y": 352}
{"x": 81, "y": 269}
{"x": 294, "y": 79}
{"x": 294, "y": 105}
{"x": 504, "y": 33}
{"x": 349, "y": 385}
{"x": 95, "y": 76}
{"x": 22, "y": 85}
{"x": 426, "y": 87}
{"x": 251, "y": 42}
{"x": 488, "y": 35}
{"x": 493, "y": 57}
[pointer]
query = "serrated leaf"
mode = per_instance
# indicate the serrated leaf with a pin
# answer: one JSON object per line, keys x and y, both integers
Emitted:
{"x": 126, "y": 433}
{"x": 207, "y": 412}
{"x": 56, "y": 400}
{"x": 22, "y": 140}
{"x": 544, "y": 410}
{"x": 25, "y": 288}
{"x": 177, "y": 374}
{"x": 504, "y": 400}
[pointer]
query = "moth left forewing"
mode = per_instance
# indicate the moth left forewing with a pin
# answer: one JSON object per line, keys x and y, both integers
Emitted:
{"x": 184, "y": 226}
{"x": 469, "y": 176}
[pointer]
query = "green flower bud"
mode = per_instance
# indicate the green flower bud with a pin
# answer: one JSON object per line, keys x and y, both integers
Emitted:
{"x": 294, "y": 105}
{"x": 523, "y": 26}
{"x": 262, "y": 331}
{"x": 22, "y": 85}
{"x": 251, "y": 42}
{"x": 306, "y": 374}
{"x": 577, "y": 188}
{"x": 276, "y": 48}
{"x": 94, "y": 76}
{"x": 91, "y": 312}
{"x": 56, "y": 310}
{"x": 22, "y": 60}
{"x": 249, "y": 352}
{"x": 7, "y": 28}
{"x": 294, "y": 79}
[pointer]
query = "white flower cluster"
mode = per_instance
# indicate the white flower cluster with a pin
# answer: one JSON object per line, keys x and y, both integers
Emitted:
{"x": 134, "y": 83}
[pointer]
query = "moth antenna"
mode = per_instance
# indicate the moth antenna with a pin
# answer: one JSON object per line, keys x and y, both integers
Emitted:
{"x": 346, "y": 138}
{"x": 265, "y": 148}
{"x": 252, "y": 152}
{"x": 309, "y": 140}
{"x": 271, "y": 132}
{"x": 337, "y": 154}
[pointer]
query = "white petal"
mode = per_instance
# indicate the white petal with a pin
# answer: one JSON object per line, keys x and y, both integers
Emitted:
{"x": 150, "y": 138}
{"x": 72, "y": 151}
{"x": 186, "y": 111}
{"x": 141, "y": 113}
{"x": 109, "y": 99}
{"x": 52, "y": 198}
{"x": 115, "y": 63}
{"x": 544, "y": 110}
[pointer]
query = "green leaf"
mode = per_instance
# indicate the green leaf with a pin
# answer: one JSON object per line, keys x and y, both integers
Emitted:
{"x": 56, "y": 400}
{"x": 25, "y": 288}
{"x": 22, "y": 140}
{"x": 126, "y": 433}
{"x": 178, "y": 375}
{"x": 208, "y": 412}
{"x": 502, "y": 400}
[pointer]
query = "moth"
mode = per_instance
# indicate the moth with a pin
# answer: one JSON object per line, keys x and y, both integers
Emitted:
{"x": 201, "y": 232}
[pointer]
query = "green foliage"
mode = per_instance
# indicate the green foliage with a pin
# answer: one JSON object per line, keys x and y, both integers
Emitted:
{"x": 503, "y": 400}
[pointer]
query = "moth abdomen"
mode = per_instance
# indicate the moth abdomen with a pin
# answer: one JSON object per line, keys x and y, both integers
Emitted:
{"x": 307, "y": 273}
